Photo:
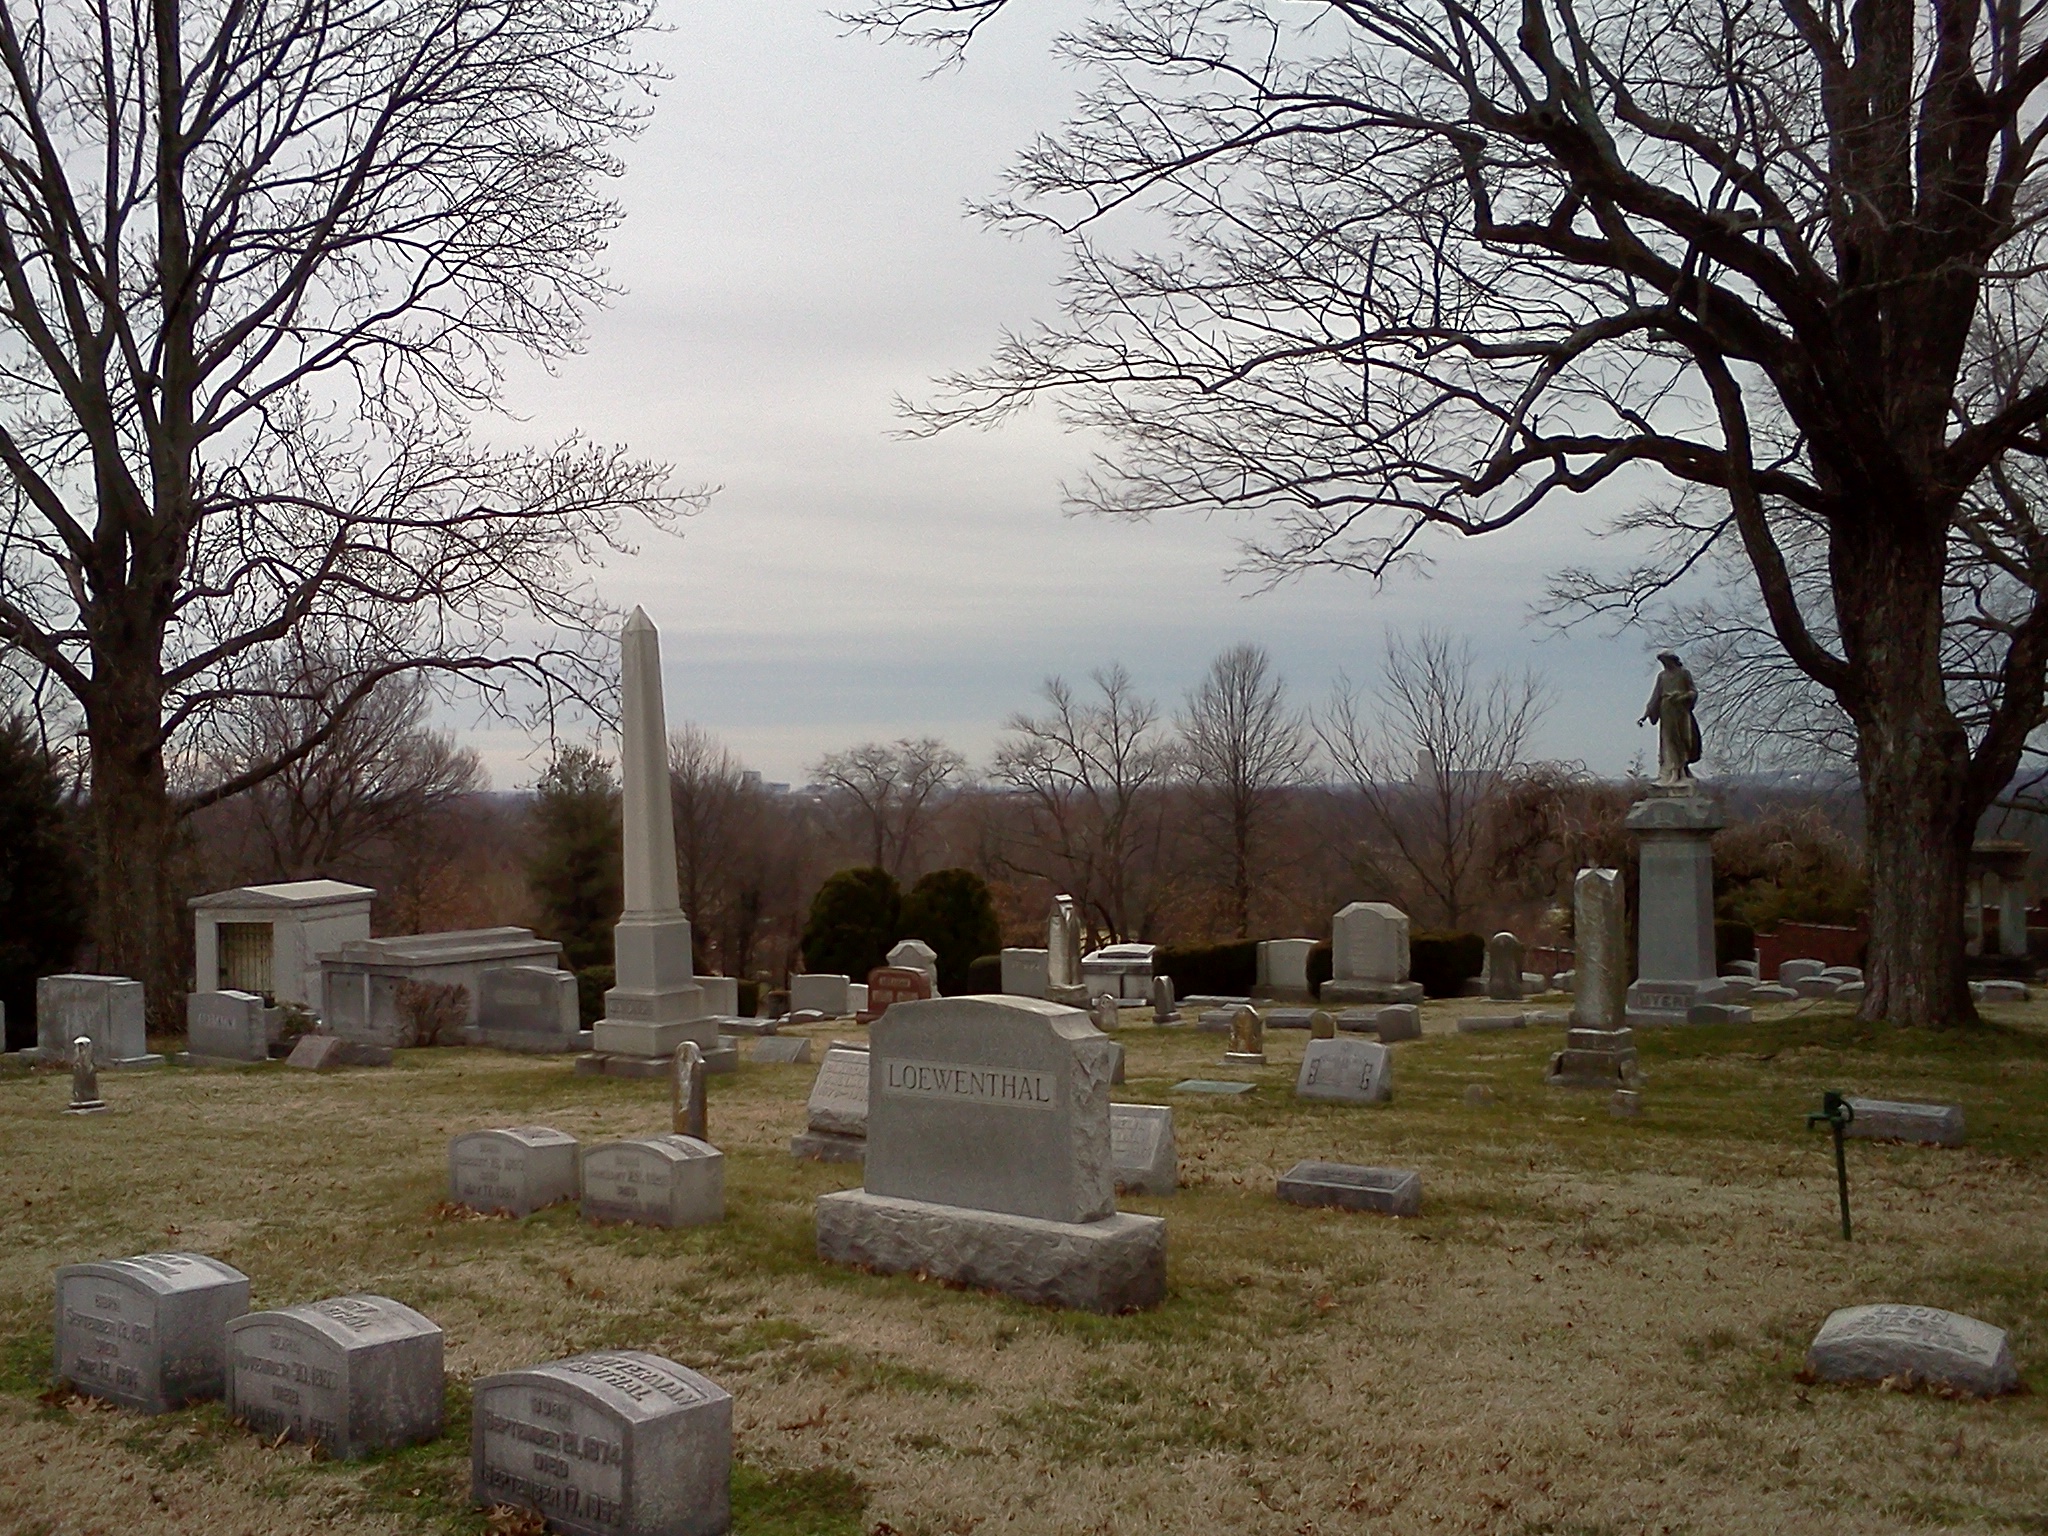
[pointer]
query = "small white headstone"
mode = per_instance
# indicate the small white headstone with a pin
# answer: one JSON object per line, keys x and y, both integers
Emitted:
{"x": 657, "y": 1181}
{"x": 517, "y": 1170}
{"x": 1142, "y": 1150}
{"x": 839, "y": 1094}
{"x": 1346, "y": 1071}
{"x": 147, "y": 1332}
{"x": 1914, "y": 1346}
{"x": 352, "y": 1374}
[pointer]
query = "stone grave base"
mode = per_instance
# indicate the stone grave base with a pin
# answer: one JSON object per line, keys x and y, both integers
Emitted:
{"x": 606, "y": 1064}
{"x": 196, "y": 1059}
{"x": 1346, "y": 992}
{"x": 1595, "y": 1058}
{"x": 1117, "y": 1264}
{"x": 1653, "y": 1003}
{"x": 735, "y": 1026}
{"x": 829, "y": 1147}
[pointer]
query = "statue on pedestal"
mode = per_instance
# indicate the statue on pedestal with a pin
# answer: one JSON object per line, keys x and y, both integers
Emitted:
{"x": 1678, "y": 733}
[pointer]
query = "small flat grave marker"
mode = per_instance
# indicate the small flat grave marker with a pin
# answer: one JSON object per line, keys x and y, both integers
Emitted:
{"x": 1393, "y": 1191}
{"x": 1913, "y": 1345}
{"x": 1212, "y": 1085}
{"x": 781, "y": 1051}
{"x": 316, "y": 1053}
{"x": 352, "y": 1374}
{"x": 147, "y": 1332}
{"x": 1345, "y": 1072}
{"x": 517, "y": 1170}
{"x": 1487, "y": 1023}
{"x": 620, "y": 1443}
{"x": 1141, "y": 1148}
{"x": 1939, "y": 1125}
{"x": 658, "y": 1181}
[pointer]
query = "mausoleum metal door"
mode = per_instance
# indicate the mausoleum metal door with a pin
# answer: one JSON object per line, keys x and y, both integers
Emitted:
{"x": 245, "y": 958}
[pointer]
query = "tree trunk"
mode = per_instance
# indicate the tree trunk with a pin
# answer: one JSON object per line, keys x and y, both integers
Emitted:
{"x": 135, "y": 927}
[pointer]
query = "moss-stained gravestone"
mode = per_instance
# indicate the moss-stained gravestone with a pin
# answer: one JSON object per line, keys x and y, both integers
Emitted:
{"x": 620, "y": 1443}
{"x": 352, "y": 1374}
{"x": 147, "y": 1332}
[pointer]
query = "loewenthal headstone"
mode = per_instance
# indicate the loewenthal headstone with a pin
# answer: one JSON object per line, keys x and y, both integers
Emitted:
{"x": 621, "y": 1443}
{"x": 517, "y": 1170}
{"x": 1939, "y": 1125}
{"x": 658, "y": 1181}
{"x": 837, "y": 1115}
{"x": 989, "y": 1159}
{"x": 226, "y": 1026}
{"x": 352, "y": 1374}
{"x": 891, "y": 984}
{"x": 1391, "y": 1191}
{"x": 1141, "y": 1147}
{"x": 1345, "y": 1072}
{"x": 527, "y": 1008}
{"x": 1915, "y": 1346}
{"x": 147, "y": 1332}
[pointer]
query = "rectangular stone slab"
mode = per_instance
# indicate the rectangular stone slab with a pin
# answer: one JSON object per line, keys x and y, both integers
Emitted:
{"x": 1141, "y": 1145}
{"x": 1482, "y": 1024}
{"x": 517, "y": 1170}
{"x": 658, "y": 1181}
{"x": 839, "y": 1093}
{"x": 1921, "y": 1345}
{"x": 147, "y": 1332}
{"x": 352, "y": 1374}
{"x": 1213, "y": 1086}
{"x": 1392, "y": 1191}
{"x": 1939, "y": 1125}
{"x": 1390, "y": 1021}
{"x": 1345, "y": 1072}
{"x": 783, "y": 1051}
{"x": 1117, "y": 1264}
{"x": 619, "y": 1443}
{"x": 828, "y": 1147}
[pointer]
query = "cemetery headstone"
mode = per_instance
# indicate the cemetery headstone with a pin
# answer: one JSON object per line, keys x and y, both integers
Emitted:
{"x": 1675, "y": 966}
{"x": 352, "y": 1374}
{"x": 989, "y": 1159}
{"x": 1348, "y": 1071}
{"x": 1025, "y": 972}
{"x": 916, "y": 955}
{"x": 823, "y": 993}
{"x": 656, "y": 1181}
{"x": 1594, "y": 1058}
{"x": 1504, "y": 968}
{"x": 105, "y": 1009}
{"x": 527, "y": 1008}
{"x": 1104, "y": 1015}
{"x": 619, "y": 1443}
{"x": 226, "y": 1027}
{"x": 1322, "y": 1025}
{"x": 1142, "y": 1150}
{"x": 1288, "y": 1018}
{"x": 1939, "y": 1125}
{"x": 1792, "y": 971}
{"x": 316, "y": 1053}
{"x": 1391, "y": 1191}
{"x": 147, "y": 1332}
{"x": 793, "y": 1050}
{"x": 85, "y": 1080}
{"x": 1600, "y": 936}
{"x": 517, "y": 1170}
{"x": 1216, "y": 1021}
{"x": 1163, "y": 1009}
{"x": 1390, "y": 1021}
{"x": 837, "y": 1115}
{"x": 689, "y": 1115}
{"x": 1369, "y": 956}
{"x": 1283, "y": 968}
{"x": 889, "y": 985}
{"x": 1999, "y": 990}
{"x": 857, "y": 998}
{"x": 1913, "y": 1346}
{"x": 1064, "y": 982}
{"x": 1247, "y": 1039}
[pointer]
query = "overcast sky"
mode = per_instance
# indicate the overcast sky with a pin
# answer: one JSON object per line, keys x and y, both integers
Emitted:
{"x": 795, "y": 255}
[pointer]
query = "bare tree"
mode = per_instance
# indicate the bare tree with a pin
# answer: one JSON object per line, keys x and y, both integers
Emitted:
{"x": 258, "y": 265}
{"x": 886, "y": 790}
{"x": 711, "y": 796}
{"x": 1241, "y": 746}
{"x": 1089, "y": 773}
{"x": 1441, "y": 266}
{"x": 1431, "y": 768}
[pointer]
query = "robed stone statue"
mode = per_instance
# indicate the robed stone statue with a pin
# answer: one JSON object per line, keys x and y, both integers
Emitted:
{"x": 1678, "y": 733}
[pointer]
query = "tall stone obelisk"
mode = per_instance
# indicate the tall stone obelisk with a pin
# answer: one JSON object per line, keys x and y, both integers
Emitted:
{"x": 656, "y": 1004}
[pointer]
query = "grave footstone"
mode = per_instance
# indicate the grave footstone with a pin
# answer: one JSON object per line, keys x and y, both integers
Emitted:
{"x": 352, "y": 1374}
{"x": 1626, "y": 1104}
{"x": 106, "y": 1009}
{"x": 516, "y": 1170}
{"x": 1215, "y": 1021}
{"x": 2001, "y": 991}
{"x": 1770, "y": 992}
{"x": 1142, "y": 1150}
{"x": 989, "y": 1159}
{"x": 618, "y": 1443}
{"x": 793, "y": 1050}
{"x": 1390, "y": 1191}
{"x": 147, "y": 1332}
{"x": 655, "y": 1181}
{"x": 1939, "y": 1125}
{"x": 527, "y": 1008}
{"x": 1913, "y": 1346}
{"x": 1504, "y": 968}
{"x": 230, "y": 1028}
{"x": 1288, "y": 1018}
{"x": 836, "y": 1125}
{"x": 1345, "y": 1072}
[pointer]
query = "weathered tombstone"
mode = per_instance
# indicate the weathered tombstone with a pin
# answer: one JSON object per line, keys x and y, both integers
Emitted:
{"x": 147, "y": 1332}
{"x": 527, "y": 1008}
{"x": 1600, "y": 938}
{"x": 1322, "y": 1025}
{"x": 1104, "y": 1014}
{"x": 106, "y": 1009}
{"x": 1595, "y": 1058}
{"x": 1913, "y": 1346}
{"x": 620, "y": 1443}
{"x": 1063, "y": 953}
{"x": 889, "y": 985}
{"x": 837, "y": 1115}
{"x": 2003, "y": 990}
{"x": 1163, "y": 1009}
{"x": 822, "y": 993}
{"x": 517, "y": 1169}
{"x": 85, "y": 1080}
{"x": 226, "y": 1027}
{"x": 352, "y": 1374}
{"x": 916, "y": 955}
{"x": 1216, "y": 1021}
{"x": 316, "y": 1053}
{"x": 1283, "y": 968}
{"x": 1247, "y": 1039}
{"x": 1345, "y": 1072}
{"x": 1142, "y": 1150}
{"x": 989, "y": 1159}
{"x": 688, "y": 1113}
{"x": 1392, "y": 1191}
{"x": 656, "y": 1181}
{"x": 1675, "y": 968}
{"x": 792, "y": 1050}
{"x": 1939, "y": 1125}
{"x": 1369, "y": 956}
{"x": 1504, "y": 968}
{"x": 1025, "y": 972}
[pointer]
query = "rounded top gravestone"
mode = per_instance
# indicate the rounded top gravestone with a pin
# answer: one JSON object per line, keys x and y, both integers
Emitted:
{"x": 147, "y": 1331}
{"x": 1916, "y": 1345}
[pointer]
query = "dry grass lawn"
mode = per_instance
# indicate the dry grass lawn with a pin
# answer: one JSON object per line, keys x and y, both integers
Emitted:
{"x": 1595, "y": 1327}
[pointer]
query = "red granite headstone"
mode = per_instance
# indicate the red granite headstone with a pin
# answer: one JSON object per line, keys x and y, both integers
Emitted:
{"x": 893, "y": 984}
